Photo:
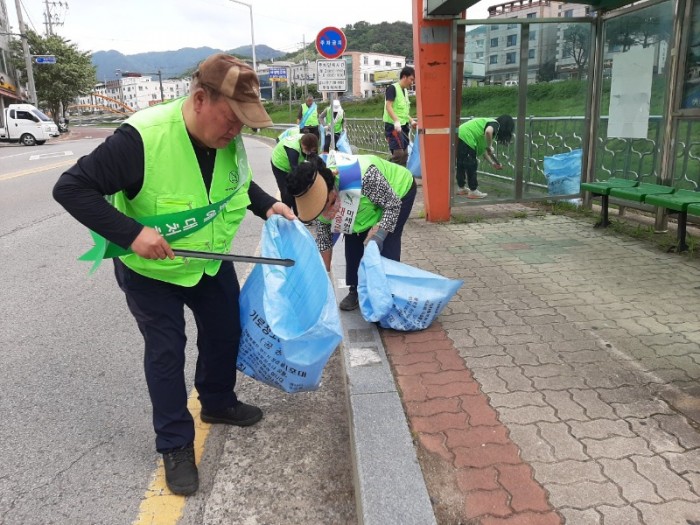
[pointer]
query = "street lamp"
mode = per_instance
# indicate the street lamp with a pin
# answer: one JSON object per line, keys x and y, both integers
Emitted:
{"x": 252, "y": 34}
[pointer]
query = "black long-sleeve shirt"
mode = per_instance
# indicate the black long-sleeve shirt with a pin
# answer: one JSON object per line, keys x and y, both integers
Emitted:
{"x": 118, "y": 165}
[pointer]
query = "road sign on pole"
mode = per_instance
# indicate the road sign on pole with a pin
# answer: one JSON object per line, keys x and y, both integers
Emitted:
{"x": 331, "y": 42}
{"x": 44, "y": 59}
{"x": 331, "y": 75}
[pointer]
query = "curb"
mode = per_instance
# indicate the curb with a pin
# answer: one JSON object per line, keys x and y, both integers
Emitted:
{"x": 389, "y": 483}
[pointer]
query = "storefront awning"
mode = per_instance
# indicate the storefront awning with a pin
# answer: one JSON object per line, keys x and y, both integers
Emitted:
{"x": 7, "y": 93}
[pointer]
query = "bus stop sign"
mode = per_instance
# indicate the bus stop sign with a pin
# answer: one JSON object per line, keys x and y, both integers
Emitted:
{"x": 331, "y": 42}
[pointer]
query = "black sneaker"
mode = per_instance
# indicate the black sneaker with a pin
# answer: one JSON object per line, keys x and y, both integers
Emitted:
{"x": 351, "y": 301}
{"x": 181, "y": 474}
{"x": 241, "y": 415}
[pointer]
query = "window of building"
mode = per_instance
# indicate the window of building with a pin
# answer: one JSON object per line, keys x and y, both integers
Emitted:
{"x": 494, "y": 28}
{"x": 510, "y": 58}
{"x": 377, "y": 62}
{"x": 478, "y": 56}
{"x": 387, "y": 63}
{"x": 533, "y": 36}
{"x": 511, "y": 26}
{"x": 366, "y": 60}
{"x": 494, "y": 42}
{"x": 493, "y": 59}
{"x": 569, "y": 13}
{"x": 398, "y": 64}
{"x": 531, "y": 54}
{"x": 532, "y": 15}
{"x": 512, "y": 40}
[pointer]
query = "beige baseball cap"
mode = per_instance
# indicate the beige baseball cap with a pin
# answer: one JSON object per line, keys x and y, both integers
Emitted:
{"x": 236, "y": 81}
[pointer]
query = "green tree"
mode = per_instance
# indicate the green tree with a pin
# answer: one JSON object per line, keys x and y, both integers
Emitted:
{"x": 577, "y": 43}
{"x": 72, "y": 75}
{"x": 547, "y": 71}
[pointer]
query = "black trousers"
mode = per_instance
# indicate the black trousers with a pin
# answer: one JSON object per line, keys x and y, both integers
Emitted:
{"x": 355, "y": 247}
{"x": 158, "y": 308}
{"x": 467, "y": 164}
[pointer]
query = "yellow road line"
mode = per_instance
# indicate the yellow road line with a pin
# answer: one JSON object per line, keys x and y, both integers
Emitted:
{"x": 159, "y": 506}
{"x": 38, "y": 169}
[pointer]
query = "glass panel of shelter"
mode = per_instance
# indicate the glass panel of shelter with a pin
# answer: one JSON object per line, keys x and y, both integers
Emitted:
{"x": 535, "y": 70}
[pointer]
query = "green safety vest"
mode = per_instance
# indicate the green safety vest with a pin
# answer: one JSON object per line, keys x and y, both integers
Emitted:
{"x": 401, "y": 105}
{"x": 279, "y": 155}
{"x": 338, "y": 124}
{"x": 472, "y": 134}
{"x": 173, "y": 182}
{"x": 313, "y": 117}
{"x": 399, "y": 178}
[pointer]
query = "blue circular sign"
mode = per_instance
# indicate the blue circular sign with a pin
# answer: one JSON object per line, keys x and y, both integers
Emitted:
{"x": 331, "y": 42}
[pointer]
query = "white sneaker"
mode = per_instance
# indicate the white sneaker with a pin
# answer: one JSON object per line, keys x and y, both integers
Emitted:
{"x": 476, "y": 194}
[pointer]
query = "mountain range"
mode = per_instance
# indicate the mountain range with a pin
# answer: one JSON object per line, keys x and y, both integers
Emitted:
{"x": 171, "y": 64}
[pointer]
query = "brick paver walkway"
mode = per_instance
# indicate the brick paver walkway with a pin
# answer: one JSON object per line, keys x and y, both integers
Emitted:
{"x": 561, "y": 383}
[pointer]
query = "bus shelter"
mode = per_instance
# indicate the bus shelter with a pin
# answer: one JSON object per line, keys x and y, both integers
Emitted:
{"x": 618, "y": 82}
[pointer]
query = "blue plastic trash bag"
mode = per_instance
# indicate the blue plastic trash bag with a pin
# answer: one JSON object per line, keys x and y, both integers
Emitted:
{"x": 413, "y": 162}
{"x": 343, "y": 144}
{"x": 288, "y": 133}
{"x": 563, "y": 173}
{"x": 289, "y": 317}
{"x": 400, "y": 296}
{"x": 322, "y": 137}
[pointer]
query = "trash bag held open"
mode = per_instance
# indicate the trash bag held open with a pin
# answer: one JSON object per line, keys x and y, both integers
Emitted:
{"x": 400, "y": 296}
{"x": 289, "y": 317}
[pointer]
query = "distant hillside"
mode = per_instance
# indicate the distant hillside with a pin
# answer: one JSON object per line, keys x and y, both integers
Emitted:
{"x": 393, "y": 38}
{"x": 173, "y": 64}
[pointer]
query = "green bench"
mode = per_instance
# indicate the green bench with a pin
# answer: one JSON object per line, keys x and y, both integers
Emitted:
{"x": 681, "y": 202}
{"x": 602, "y": 189}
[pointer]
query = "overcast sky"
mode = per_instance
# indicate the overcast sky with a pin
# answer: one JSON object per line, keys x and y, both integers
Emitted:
{"x": 137, "y": 26}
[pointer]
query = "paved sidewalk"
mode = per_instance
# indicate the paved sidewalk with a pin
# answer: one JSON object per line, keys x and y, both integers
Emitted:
{"x": 560, "y": 383}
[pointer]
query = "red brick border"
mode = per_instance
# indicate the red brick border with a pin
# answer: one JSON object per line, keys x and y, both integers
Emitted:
{"x": 454, "y": 422}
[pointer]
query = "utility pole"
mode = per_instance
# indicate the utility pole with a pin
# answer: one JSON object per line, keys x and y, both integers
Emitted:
{"x": 27, "y": 55}
{"x": 51, "y": 19}
{"x": 306, "y": 66}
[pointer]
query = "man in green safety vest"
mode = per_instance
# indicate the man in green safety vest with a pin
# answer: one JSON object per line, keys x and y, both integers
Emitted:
{"x": 184, "y": 157}
{"x": 307, "y": 118}
{"x": 397, "y": 116}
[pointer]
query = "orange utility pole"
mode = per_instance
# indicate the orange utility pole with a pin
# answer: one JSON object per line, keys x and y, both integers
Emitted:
{"x": 432, "y": 50}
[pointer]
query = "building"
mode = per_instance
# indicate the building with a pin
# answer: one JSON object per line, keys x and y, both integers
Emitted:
{"x": 131, "y": 92}
{"x": 362, "y": 68}
{"x": 10, "y": 92}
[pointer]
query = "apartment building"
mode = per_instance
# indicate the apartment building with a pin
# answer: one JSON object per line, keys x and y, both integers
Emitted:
{"x": 362, "y": 68}
{"x": 131, "y": 93}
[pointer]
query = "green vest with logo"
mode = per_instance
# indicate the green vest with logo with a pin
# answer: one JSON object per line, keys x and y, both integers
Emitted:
{"x": 399, "y": 178}
{"x": 338, "y": 124}
{"x": 312, "y": 120}
{"x": 279, "y": 155}
{"x": 172, "y": 182}
{"x": 401, "y": 105}
{"x": 472, "y": 134}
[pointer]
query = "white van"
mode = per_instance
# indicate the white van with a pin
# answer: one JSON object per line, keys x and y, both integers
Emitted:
{"x": 510, "y": 83}
{"x": 26, "y": 124}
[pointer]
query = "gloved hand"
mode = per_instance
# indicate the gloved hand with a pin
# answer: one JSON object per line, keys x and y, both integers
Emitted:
{"x": 379, "y": 236}
{"x": 397, "y": 125}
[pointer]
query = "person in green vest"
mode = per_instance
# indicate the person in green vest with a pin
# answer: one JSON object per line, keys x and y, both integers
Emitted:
{"x": 366, "y": 198}
{"x": 476, "y": 138}
{"x": 334, "y": 113}
{"x": 286, "y": 156}
{"x": 186, "y": 157}
{"x": 307, "y": 117}
{"x": 397, "y": 115}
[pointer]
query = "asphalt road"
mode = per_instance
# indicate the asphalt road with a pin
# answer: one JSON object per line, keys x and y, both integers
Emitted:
{"x": 77, "y": 441}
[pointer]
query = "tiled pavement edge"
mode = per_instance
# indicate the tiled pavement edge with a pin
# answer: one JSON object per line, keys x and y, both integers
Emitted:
{"x": 585, "y": 346}
{"x": 389, "y": 485}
